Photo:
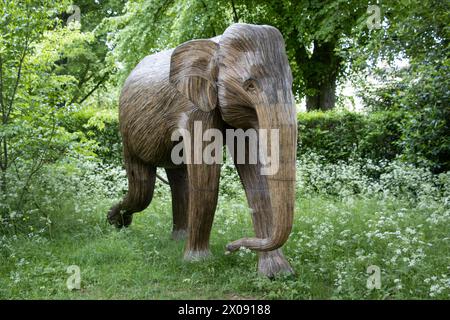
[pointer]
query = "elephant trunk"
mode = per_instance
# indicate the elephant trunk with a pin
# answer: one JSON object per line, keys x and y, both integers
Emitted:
{"x": 281, "y": 182}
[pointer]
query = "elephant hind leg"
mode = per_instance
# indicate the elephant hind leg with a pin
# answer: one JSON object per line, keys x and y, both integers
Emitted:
{"x": 178, "y": 181}
{"x": 141, "y": 183}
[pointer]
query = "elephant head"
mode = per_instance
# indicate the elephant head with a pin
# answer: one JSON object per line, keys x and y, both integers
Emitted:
{"x": 246, "y": 75}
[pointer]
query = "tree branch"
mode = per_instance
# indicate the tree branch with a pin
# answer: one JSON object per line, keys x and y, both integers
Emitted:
{"x": 95, "y": 88}
{"x": 235, "y": 15}
{"x": 38, "y": 165}
{"x": 18, "y": 78}
{"x": 76, "y": 95}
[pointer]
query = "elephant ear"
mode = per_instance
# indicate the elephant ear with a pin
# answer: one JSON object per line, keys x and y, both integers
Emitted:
{"x": 193, "y": 71}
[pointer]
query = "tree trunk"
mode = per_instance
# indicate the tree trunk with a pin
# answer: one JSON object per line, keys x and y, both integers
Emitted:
{"x": 320, "y": 77}
{"x": 325, "y": 99}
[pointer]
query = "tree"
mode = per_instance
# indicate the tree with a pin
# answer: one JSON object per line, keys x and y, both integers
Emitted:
{"x": 33, "y": 95}
{"x": 86, "y": 57}
{"x": 149, "y": 26}
{"x": 314, "y": 32}
{"x": 418, "y": 32}
{"x": 22, "y": 26}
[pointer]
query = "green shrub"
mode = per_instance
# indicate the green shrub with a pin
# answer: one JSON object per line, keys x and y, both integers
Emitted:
{"x": 343, "y": 135}
{"x": 335, "y": 135}
{"x": 426, "y": 129}
{"x": 382, "y": 131}
{"x": 420, "y": 92}
{"x": 100, "y": 128}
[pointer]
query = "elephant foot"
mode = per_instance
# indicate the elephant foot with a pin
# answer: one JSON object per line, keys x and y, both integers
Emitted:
{"x": 179, "y": 235}
{"x": 196, "y": 255}
{"x": 118, "y": 219}
{"x": 273, "y": 263}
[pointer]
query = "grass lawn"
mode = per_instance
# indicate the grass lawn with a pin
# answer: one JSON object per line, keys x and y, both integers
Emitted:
{"x": 332, "y": 244}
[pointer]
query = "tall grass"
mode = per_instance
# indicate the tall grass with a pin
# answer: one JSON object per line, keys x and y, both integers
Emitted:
{"x": 349, "y": 216}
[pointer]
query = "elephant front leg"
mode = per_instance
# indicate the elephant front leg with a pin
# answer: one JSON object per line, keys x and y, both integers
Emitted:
{"x": 270, "y": 263}
{"x": 203, "y": 181}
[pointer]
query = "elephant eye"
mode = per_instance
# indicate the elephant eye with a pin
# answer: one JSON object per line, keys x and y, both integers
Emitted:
{"x": 250, "y": 85}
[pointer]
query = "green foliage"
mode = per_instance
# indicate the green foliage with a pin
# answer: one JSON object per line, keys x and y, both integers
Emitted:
{"x": 343, "y": 135}
{"x": 29, "y": 95}
{"x": 84, "y": 58}
{"x": 76, "y": 181}
{"x": 426, "y": 130}
{"x": 149, "y": 26}
{"x": 420, "y": 92}
{"x": 418, "y": 32}
{"x": 333, "y": 135}
{"x": 413, "y": 29}
{"x": 35, "y": 94}
{"x": 99, "y": 129}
